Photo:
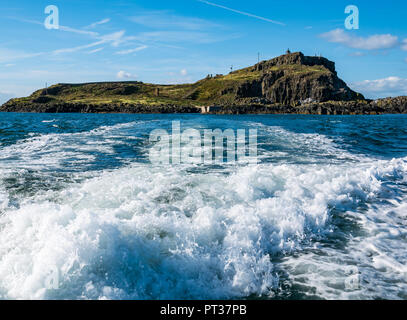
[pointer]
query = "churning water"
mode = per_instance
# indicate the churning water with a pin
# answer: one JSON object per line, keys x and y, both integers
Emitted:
{"x": 322, "y": 215}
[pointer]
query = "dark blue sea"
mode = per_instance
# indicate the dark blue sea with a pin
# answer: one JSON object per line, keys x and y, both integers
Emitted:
{"x": 85, "y": 214}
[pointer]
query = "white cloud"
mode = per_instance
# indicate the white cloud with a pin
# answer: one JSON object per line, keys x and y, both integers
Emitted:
{"x": 62, "y": 28}
{"x": 387, "y": 87}
{"x": 404, "y": 45}
{"x": 95, "y": 24}
{"x": 184, "y": 72}
{"x": 123, "y": 52}
{"x": 95, "y": 51}
{"x": 357, "y": 54}
{"x": 79, "y": 31}
{"x": 78, "y": 48}
{"x": 115, "y": 38}
{"x": 375, "y": 42}
{"x": 158, "y": 37}
{"x": 124, "y": 75}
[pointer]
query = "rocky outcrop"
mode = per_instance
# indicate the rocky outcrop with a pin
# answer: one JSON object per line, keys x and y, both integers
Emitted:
{"x": 290, "y": 80}
{"x": 395, "y": 105}
{"x": 360, "y": 107}
{"x": 291, "y": 90}
{"x": 296, "y": 58}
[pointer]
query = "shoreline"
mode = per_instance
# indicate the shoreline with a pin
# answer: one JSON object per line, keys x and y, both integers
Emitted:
{"x": 362, "y": 107}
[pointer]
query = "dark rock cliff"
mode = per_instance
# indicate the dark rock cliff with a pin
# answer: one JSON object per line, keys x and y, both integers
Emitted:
{"x": 294, "y": 78}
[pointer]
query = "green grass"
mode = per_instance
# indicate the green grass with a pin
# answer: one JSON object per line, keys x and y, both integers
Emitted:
{"x": 242, "y": 76}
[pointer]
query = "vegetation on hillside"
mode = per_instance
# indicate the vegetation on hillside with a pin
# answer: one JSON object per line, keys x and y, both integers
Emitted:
{"x": 285, "y": 80}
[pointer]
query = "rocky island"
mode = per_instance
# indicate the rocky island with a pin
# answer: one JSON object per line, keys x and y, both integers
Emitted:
{"x": 290, "y": 84}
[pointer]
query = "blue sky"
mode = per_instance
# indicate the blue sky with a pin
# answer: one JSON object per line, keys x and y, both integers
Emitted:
{"x": 184, "y": 40}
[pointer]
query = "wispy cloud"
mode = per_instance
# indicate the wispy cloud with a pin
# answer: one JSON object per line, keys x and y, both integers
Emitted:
{"x": 26, "y": 20}
{"x": 167, "y": 20}
{"x": 95, "y": 51}
{"x": 62, "y": 28}
{"x": 186, "y": 30}
{"x": 181, "y": 37}
{"x": 116, "y": 38}
{"x": 78, "y": 48}
{"x": 375, "y": 42}
{"x": 7, "y": 55}
{"x": 357, "y": 54}
{"x": 404, "y": 45}
{"x": 242, "y": 12}
{"x": 123, "y": 52}
{"x": 97, "y": 23}
{"x": 79, "y": 31}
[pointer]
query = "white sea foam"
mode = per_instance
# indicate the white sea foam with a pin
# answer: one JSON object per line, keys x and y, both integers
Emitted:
{"x": 374, "y": 253}
{"x": 51, "y": 151}
{"x": 156, "y": 232}
{"x": 307, "y": 147}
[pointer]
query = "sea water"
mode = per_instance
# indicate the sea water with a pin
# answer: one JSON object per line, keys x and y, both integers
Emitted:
{"x": 322, "y": 215}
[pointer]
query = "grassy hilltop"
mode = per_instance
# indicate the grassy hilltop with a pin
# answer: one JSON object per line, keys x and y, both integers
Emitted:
{"x": 218, "y": 89}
